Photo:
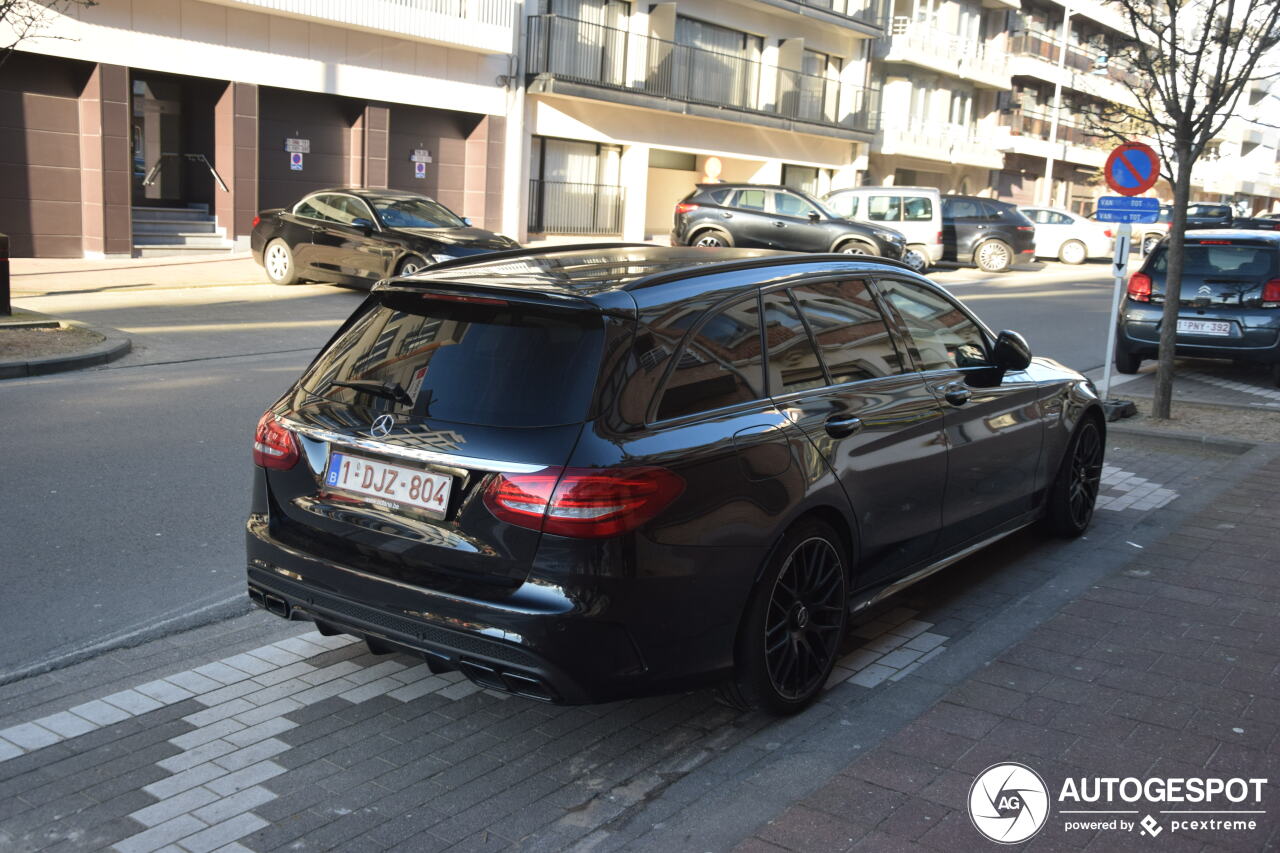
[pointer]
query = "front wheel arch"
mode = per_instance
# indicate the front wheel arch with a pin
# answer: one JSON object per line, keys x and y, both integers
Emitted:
{"x": 845, "y": 242}
{"x": 718, "y": 232}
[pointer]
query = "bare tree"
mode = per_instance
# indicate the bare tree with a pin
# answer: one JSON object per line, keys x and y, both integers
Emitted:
{"x": 1191, "y": 60}
{"x": 25, "y": 19}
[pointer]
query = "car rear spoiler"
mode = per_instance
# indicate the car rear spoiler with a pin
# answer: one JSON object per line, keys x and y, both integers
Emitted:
{"x": 526, "y": 251}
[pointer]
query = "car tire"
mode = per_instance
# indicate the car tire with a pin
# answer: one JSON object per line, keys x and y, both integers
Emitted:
{"x": 857, "y": 247}
{"x": 277, "y": 261}
{"x": 915, "y": 258}
{"x": 1073, "y": 252}
{"x": 1150, "y": 242}
{"x": 794, "y": 622}
{"x": 710, "y": 238}
{"x": 410, "y": 265}
{"x": 993, "y": 256}
{"x": 1074, "y": 492}
{"x": 1127, "y": 362}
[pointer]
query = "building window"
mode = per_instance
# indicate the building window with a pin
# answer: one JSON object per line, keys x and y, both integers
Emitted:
{"x": 715, "y": 64}
{"x": 573, "y": 187}
{"x": 803, "y": 178}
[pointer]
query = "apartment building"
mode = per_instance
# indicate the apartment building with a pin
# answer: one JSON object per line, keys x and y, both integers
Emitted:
{"x": 139, "y": 126}
{"x": 1242, "y": 164}
{"x": 628, "y": 106}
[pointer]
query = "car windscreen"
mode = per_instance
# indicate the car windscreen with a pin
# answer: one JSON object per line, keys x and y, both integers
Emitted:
{"x": 1208, "y": 210}
{"x": 1202, "y": 259}
{"x": 486, "y": 363}
{"x": 422, "y": 212}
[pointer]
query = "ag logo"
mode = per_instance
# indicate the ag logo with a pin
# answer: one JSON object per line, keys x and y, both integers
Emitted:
{"x": 1008, "y": 803}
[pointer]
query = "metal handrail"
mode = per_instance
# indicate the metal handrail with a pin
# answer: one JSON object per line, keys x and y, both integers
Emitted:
{"x": 154, "y": 171}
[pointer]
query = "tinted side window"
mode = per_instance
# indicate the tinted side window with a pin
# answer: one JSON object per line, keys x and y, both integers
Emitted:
{"x": 317, "y": 207}
{"x": 850, "y": 330}
{"x": 987, "y": 210}
{"x": 719, "y": 196}
{"x": 793, "y": 363}
{"x": 960, "y": 208}
{"x": 940, "y": 335}
{"x": 719, "y": 366}
{"x": 750, "y": 199}
{"x": 787, "y": 204}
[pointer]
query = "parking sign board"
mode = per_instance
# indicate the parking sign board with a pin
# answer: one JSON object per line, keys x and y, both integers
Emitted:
{"x": 1118, "y": 208}
{"x": 1132, "y": 169}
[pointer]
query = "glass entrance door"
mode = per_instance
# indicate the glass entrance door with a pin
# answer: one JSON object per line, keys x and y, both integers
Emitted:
{"x": 157, "y": 142}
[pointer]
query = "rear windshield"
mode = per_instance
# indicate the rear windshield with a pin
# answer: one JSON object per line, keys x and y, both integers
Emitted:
{"x": 1202, "y": 260}
{"x": 507, "y": 365}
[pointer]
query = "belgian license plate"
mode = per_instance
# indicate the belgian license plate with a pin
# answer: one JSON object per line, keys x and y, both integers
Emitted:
{"x": 1204, "y": 327}
{"x": 389, "y": 485}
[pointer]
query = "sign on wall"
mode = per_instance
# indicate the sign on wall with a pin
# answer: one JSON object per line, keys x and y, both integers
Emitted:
{"x": 297, "y": 146}
{"x": 420, "y": 155}
{"x": 295, "y": 161}
{"x": 419, "y": 170}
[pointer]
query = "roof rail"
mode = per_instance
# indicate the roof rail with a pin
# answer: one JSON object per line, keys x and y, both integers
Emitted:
{"x": 526, "y": 251}
{"x": 779, "y": 259}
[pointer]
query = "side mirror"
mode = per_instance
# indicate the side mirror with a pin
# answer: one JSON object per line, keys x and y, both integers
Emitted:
{"x": 813, "y": 216}
{"x": 1011, "y": 351}
{"x": 363, "y": 224}
{"x": 466, "y": 220}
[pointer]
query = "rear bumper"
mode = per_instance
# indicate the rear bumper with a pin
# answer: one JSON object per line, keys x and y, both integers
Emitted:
{"x": 1257, "y": 338}
{"x": 591, "y": 642}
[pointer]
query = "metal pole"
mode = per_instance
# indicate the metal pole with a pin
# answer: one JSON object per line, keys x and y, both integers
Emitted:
{"x": 5, "y": 308}
{"x": 1047, "y": 195}
{"x": 1119, "y": 266}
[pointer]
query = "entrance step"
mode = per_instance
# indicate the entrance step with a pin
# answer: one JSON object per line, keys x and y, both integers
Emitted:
{"x": 161, "y": 231}
{"x": 179, "y": 251}
{"x": 186, "y": 214}
{"x": 205, "y": 239}
{"x": 175, "y": 226}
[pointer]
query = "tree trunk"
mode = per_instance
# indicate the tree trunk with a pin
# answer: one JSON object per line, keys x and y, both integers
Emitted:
{"x": 1162, "y": 405}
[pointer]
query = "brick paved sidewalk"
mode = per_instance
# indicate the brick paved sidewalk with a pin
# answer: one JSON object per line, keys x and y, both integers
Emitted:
{"x": 1169, "y": 667}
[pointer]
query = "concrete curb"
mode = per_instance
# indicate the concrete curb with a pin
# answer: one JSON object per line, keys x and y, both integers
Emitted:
{"x": 1218, "y": 442}
{"x": 114, "y": 345}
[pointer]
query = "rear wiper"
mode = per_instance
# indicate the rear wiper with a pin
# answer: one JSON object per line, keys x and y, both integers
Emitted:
{"x": 387, "y": 390}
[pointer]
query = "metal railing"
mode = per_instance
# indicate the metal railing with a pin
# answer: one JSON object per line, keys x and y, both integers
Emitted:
{"x": 605, "y": 56}
{"x": 562, "y": 207}
{"x": 1035, "y": 122}
{"x": 872, "y": 12}
{"x": 1081, "y": 59}
{"x": 949, "y": 48}
{"x": 409, "y": 17}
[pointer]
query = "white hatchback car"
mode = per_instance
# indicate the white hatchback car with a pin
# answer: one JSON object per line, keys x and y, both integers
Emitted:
{"x": 1069, "y": 237}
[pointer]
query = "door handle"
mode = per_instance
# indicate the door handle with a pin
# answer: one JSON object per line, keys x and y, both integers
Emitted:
{"x": 957, "y": 393}
{"x": 726, "y": 216}
{"x": 779, "y": 225}
{"x": 842, "y": 426}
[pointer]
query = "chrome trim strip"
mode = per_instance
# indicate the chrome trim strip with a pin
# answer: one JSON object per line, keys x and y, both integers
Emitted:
{"x": 900, "y": 585}
{"x": 432, "y": 456}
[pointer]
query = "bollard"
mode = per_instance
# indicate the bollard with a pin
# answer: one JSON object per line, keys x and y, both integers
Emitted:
{"x": 5, "y": 309}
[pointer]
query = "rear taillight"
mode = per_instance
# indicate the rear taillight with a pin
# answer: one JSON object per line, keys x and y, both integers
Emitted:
{"x": 589, "y": 503}
{"x": 1140, "y": 287}
{"x": 1106, "y": 233}
{"x": 1025, "y": 227}
{"x": 273, "y": 445}
{"x": 1271, "y": 294}
{"x": 685, "y": 207}
{"x": 256, "y": 220}
{"x": 938, "y": 239}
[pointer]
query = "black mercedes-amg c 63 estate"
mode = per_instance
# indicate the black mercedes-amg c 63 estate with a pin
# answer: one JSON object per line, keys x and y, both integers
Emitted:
{"x": 586, "y": 473}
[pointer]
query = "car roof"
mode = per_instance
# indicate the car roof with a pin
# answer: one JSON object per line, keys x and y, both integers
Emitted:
{"x": 586, "y": 271}
{"x": 366, "y": 191}
{"x": 882, "y": 188}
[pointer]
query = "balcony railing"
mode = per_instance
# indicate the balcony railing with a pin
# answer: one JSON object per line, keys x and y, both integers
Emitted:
{"x": 872, "y": 12}
{"x": 966, "y": 54}
{"x": 1036, "y": 122}
{"x": 603, "y": 56}
{"x": 482, "y": 24}
{"x": 1080, "y": 59}
{"x": 562, "y": 207}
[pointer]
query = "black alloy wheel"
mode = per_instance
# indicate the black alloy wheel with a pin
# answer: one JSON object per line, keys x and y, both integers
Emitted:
{"x": 794, "y": 623}
{"x": 1075, "y": 490}
{"x": 411, "y": 265}
{"x": 710, "y": 239}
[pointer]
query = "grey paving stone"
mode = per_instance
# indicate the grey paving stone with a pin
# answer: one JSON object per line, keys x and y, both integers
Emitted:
{"x": 164, "y": 691}
{"x": 197, "y": 755}
{"x": 228, "y": 807}
{"x": 219, "y": 712}
{"x": 133, "y": 702}
{"x": 100, "y": 713}
{"x": 158, "y": 836}
{"x": 252, "y": 775}
{"x": 30, "y": 736}
{"x": 189, "y": 778}
{"x": 253, "y": 734}
{"x": 204, "y": 734}
{"x": 252, "y": 754}
{"x": 170, "y": 807}
{"x": 228, "y": 831}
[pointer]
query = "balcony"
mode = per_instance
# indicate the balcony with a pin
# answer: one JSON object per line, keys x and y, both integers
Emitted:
{"x": 1036, "y": 54}
{"x": 944, "y": 142}
{"x": 1028, "y": 128}
{"x": 924, "y": 46}
{"x": 562, "y": 207}
{"x": 576, "y": 58}
{"x": 866, "y": 16}
{"x": 485, "y": 26}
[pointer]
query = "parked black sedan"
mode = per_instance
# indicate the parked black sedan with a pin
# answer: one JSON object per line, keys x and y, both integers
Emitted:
{"x": 357, "y": 236}
{"x": 590, "y": 472}
{"x": 992, "y": 235}
{"x": 755, "y": 216}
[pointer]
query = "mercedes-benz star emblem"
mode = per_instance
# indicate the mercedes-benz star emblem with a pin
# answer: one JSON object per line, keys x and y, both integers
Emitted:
{"x": 382, "y": 425}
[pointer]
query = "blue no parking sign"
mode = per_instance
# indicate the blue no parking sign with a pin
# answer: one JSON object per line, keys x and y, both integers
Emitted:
{"x": 295, "y": 161}
{"x": 1132, "y": 169}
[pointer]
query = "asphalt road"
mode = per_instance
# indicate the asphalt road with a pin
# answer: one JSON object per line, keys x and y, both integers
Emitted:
{"x": 125, "y": 488}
